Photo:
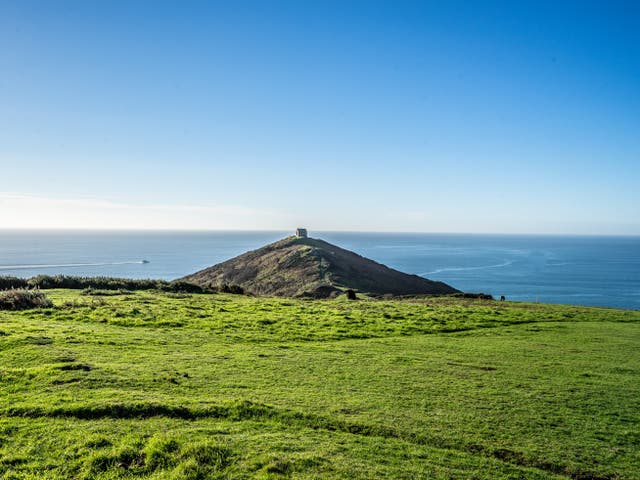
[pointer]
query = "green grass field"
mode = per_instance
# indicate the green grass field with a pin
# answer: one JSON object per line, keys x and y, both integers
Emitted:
{"x": 156, "y": 385}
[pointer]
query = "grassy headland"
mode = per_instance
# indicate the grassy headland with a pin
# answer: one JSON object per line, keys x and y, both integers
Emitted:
{"x": 166, "y": 385}
{"x": 310, "y": 267}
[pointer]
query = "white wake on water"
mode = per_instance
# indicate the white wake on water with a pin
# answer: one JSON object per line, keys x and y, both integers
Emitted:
{"x": 459, "y": 269}
{"x": 61, "y": 265}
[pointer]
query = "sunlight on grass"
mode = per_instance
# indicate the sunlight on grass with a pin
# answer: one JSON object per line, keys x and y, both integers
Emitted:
{"x": 161, "y": 385}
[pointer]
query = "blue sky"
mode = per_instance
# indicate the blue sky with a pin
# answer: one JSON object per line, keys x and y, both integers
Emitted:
{"x": 501, "y": 117}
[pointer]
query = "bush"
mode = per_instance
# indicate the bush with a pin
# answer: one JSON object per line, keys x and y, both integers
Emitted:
{"x": 98, "y": 285}
{"x": 105, "y": 283}
{"x": 8, "y": 283}
{"x": 20, "y": 299}
{"x": 478, "y": 296}
{"x": 95, "y": 292}
{"x": 111, "y": 283}
{"x": 235, "y": 289}
{"x": 180, "y": 286}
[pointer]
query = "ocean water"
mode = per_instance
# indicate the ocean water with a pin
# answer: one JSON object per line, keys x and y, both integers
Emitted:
{"x": 602, "y": 271}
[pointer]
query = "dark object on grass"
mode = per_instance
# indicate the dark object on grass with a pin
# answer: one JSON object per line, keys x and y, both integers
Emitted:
{"x": 235, "y": 289}
{"x": 502, "y": 298}
{"x": 479, "y": 296}
{"x": 323, "y": 291}
{"x": 23, "y": 300}
{"x": 351, "y": 294}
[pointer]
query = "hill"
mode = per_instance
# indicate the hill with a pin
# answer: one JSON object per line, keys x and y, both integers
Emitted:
{"x": 301, "y": 266}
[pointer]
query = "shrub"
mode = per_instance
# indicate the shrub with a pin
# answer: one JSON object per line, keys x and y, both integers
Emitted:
{"x": 111, "y": 283}
{"x": 20, "y": 299}
{"x": 8, "y": 283}
{"x": 236, "y": 289}
{"x": 180, "y": 286}
{"x": 89, "y": 291}
{"x": 478, "y": 296}
{"x": 105, "y": 283}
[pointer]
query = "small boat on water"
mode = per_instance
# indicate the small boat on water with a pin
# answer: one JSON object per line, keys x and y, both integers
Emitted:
{"x": 144, "y": 261}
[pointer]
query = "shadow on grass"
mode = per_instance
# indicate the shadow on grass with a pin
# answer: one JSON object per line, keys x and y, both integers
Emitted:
{"x": 246, "y": 410}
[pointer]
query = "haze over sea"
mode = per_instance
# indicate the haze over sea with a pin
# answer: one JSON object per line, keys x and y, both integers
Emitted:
{"x": 583, "y": 270}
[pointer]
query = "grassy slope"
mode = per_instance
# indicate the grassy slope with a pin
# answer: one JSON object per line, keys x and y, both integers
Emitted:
{"x": 294, "y": 266}
{"x": 218, "y": 386}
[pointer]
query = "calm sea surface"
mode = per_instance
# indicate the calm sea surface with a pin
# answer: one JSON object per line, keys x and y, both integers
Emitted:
{"x": 602, "y": 271}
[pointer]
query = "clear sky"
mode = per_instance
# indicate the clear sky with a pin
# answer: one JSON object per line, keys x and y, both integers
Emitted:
{"x": 506, "y": 117}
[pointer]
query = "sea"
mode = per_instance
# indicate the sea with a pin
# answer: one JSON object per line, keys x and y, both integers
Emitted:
{"x": 581, "y": 270}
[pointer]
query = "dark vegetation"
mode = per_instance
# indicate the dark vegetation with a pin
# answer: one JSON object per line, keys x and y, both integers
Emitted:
{"x": 7, "y": 283}
{"x": 99, "y": 285}
{"x": 21, "y": 299}
{"x": 307, "y": 267}
{"x": 481, "y": 296}
{"x": 110, "y": 283}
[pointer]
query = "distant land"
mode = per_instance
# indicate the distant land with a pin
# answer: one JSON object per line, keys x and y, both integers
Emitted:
{"x": 592, "y": 271}
{"x": 299, "y": 266}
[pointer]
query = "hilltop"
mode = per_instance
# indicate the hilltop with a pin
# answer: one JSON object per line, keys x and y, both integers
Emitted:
{"x": 300, "y": 266}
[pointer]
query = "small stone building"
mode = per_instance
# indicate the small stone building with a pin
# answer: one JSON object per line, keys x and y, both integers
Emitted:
{"x": 301, "y": 232}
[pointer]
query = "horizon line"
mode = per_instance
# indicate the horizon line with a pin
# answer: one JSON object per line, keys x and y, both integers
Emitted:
{"x": 388, "y": 232}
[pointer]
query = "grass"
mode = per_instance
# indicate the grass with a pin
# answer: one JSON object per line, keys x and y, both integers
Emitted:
{"x": 161, "y": 385}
